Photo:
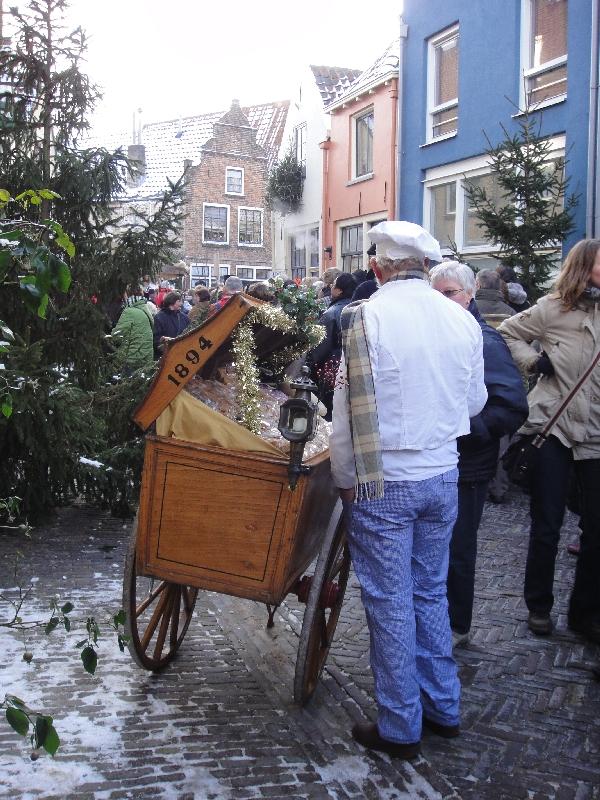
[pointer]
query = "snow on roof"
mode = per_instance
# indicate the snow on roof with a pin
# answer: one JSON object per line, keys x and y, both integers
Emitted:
{"x": 333, "y": 81}
{"x": 169, "y": 144}
{"x": 384, "y": 67}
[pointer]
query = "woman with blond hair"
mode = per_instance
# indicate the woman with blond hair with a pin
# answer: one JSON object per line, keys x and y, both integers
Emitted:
{"x": 566, "y": 322}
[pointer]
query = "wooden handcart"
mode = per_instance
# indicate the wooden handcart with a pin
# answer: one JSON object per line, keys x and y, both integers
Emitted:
{"x": 216, "y": 519}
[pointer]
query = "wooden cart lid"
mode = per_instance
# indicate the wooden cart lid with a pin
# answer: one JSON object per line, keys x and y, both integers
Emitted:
{"x": 202, "y": 349}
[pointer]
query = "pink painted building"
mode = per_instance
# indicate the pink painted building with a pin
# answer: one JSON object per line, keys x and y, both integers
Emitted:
{"x": 359, "y": 163}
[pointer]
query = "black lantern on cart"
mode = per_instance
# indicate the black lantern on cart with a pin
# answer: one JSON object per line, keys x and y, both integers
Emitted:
{"x": 298, "y": 422}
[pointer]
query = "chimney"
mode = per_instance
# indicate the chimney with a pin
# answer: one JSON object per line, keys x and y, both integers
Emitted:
{"x": 235, "y": 104}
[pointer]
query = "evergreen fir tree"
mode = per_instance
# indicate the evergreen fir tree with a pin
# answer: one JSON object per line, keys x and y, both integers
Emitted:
{"x": 532, "y": 215}
{"x": 59, "y": 360}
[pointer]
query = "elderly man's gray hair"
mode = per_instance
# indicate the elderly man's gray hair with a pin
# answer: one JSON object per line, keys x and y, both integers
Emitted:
{"x": 454, "y": 271}
{"x": 233, "y": 285}
{"x": 398, "y": 264}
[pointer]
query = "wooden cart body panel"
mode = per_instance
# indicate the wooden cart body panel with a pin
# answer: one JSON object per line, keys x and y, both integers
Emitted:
{"x": 226, "y": 521}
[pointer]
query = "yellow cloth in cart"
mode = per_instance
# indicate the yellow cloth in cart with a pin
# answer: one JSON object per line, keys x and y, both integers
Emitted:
{"x": 191, "y": 420}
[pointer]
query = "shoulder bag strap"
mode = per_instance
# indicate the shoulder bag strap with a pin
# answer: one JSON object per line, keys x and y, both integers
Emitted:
{"x": 543, "y": 435}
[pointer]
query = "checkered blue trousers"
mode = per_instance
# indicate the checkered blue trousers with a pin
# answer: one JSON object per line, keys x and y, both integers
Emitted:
{"x": 399, "y": 547}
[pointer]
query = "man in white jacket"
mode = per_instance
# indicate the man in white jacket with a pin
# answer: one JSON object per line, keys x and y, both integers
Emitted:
{"x": 411, "y": 377}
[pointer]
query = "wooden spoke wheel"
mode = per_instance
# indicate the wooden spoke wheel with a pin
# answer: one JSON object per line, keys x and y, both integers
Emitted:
{"x": 158, "y": 614}
{"x": 323, "y": 607}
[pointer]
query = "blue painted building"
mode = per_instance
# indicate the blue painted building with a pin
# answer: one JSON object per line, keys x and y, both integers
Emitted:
{"x": 468, "y": 67}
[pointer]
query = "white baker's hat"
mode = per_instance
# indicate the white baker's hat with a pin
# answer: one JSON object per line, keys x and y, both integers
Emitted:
{"x": 396, "y": 239}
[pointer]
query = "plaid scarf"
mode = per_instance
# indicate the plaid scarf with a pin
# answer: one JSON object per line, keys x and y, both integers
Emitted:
{"x": 362, "y": 409}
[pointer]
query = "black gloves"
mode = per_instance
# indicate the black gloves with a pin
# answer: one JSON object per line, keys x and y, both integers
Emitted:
{"x": 543, "y": 366}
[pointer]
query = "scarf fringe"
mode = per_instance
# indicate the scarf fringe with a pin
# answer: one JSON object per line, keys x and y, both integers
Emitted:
{"x": 372, "y": 490}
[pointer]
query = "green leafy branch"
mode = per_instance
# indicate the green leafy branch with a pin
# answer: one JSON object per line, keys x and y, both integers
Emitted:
{"x": 21, "y": 719}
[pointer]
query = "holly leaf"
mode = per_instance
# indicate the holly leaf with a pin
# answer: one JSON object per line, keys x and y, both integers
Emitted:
{"x": 119, "y": 619}
{"x": 50, "y": 625}
{"x": 48, "y": 194}
{"x": 4, "y": 196}
{"x": 90, "y": 659}
{"x": 7, "y": 406}
{"x": 43, "y": 306}
{"x": 67, "y": 608}
{"x": 17, "y": 720}
{"x": 51, "y": 742}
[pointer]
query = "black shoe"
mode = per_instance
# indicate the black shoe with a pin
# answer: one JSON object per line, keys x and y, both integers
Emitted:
{"x": 540, "y": 624}
{"x": 588, "y": 628}
{"x": 445, "y": 731}
{"x": 366, "y": 733}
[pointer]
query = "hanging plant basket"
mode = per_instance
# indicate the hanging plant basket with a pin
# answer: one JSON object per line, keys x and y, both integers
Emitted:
{"x": 284, "y": 185}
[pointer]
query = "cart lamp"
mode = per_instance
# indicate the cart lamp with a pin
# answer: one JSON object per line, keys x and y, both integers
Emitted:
{"x": 298, "y": 423}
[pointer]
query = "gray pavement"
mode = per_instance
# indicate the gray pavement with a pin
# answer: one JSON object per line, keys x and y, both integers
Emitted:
{"x": 219, "y": 722}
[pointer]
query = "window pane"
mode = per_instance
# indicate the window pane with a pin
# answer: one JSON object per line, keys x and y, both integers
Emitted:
{"x": 364, "y": 144}
{"x": 300, "y": 144}
{"x": 250, "y": 226}
{"x": 446, "y": 71}
{"x": 445, "y": 122}
{"x": 474, "y": 234}
{"x": 299, "y": 272}
{"x": 314, "y": 247}
{"x": 548, "y": 31}
{"x": 245, "y": 272}
{"x": 215, "y": 224}
{"x": 263, "y": 274}
{"x": 352, "y": 247}
{"x": 443, "y": 213}
{"x": 298, "y": 250}
{"x": 547, "y": 85}
{"x": 234, "y": 181}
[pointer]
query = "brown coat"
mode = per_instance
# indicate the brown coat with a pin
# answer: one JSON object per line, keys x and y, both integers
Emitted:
{"x": 570, "y": 340}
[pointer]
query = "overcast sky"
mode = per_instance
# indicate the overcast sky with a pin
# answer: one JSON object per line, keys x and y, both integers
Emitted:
{"x": 183, "y": 57}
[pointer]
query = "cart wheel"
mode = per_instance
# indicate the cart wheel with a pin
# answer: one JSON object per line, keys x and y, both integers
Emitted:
{"x": 158, "y": 613}
{"x": 323, "y": 607}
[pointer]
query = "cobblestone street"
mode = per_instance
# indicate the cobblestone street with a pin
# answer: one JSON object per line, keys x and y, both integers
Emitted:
{"x": 219, "y": 722}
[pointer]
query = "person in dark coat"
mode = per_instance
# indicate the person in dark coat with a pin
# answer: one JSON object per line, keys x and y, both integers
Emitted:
{"x": 516, "y": 296}
{"x": 369, "y": 286}
{"x": 324, "y": 359}
{"x": 504, "y": 412}
{"x": 489, "y": 295}
{"x": 169, "y": 322}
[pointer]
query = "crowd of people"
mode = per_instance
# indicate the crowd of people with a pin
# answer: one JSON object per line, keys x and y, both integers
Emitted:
{"x": 433, "y": 382}
{"x": 427, "y": 370}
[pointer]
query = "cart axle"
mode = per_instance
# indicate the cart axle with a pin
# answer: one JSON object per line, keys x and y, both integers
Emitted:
{"x": 328, "y": 596}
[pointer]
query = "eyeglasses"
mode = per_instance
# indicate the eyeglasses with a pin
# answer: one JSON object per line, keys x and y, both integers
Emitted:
{"x": 450, "y": 293}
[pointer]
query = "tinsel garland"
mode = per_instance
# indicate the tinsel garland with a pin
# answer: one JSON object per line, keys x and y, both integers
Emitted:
{"x": 244, "y": 350}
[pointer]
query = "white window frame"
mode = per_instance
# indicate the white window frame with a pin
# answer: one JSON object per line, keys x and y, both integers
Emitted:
{"x": 459, "y": 172}
{"x": 432, "y": 108}
{"x": 527, "y": 70}
{"x": 262, "y": 222}
{"x": 237, "y": 169}
{"x": 253, "y": 268}
{"x": 209, "y": 279}
{"x": 367, "y": 222}
{"x": 355, "y": 119}
{"x": 216, "y": 205}
{"x": 300, "y": 137}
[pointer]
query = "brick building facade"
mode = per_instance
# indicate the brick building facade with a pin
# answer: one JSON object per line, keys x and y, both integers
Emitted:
{"x": 228, "y": 230}
{"x": 226, "y": 157}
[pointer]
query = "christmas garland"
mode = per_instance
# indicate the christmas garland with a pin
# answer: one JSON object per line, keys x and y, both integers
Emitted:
{"x": 246, "y": 362}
